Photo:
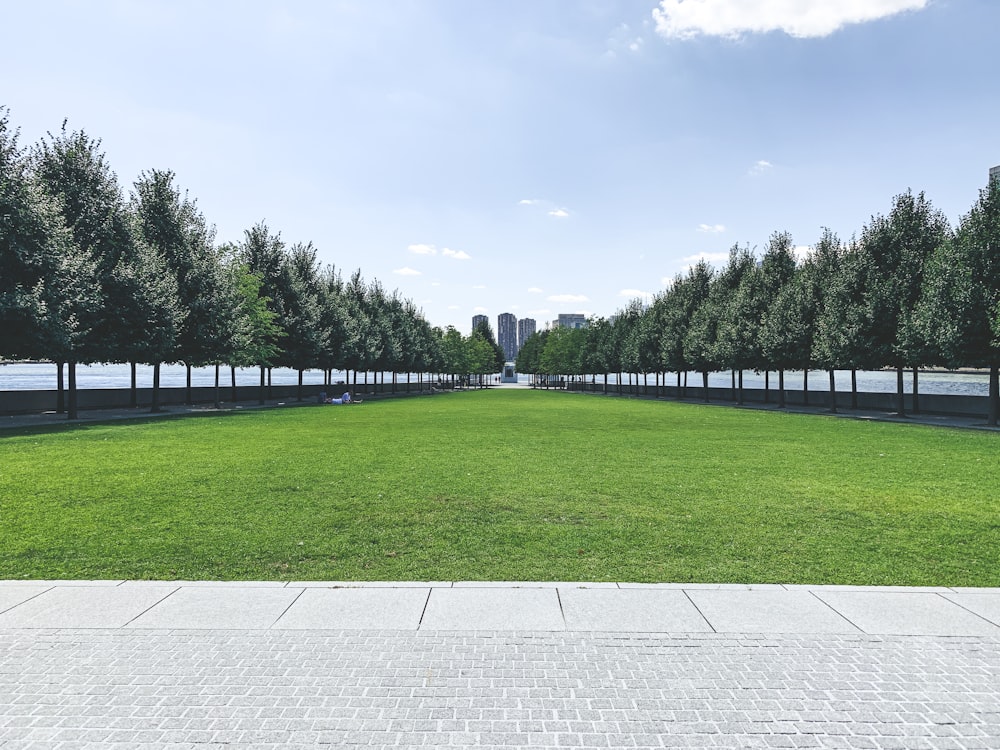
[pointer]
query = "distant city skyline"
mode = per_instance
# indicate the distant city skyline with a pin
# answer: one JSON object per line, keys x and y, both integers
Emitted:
{"x": 507, "y": 335}
{"x": 526, "y": 328}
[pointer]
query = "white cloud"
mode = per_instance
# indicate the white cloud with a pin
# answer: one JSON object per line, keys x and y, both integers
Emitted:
{"x": 407, "y": 271}
{"x": 559, "y": 213}
{"x": 528, "y": 202}
{"x": 479, "y": 286}
{"x": 635, "y": 293}
{"x": 534, "y": 290}
{"x": 456, "y": 254}
{"x": 453, "y": 307}
{"x": 760, "y": 167}
{"x": 422, "y": 249}
{"x": 568, "y": 298}
{"x": 480, "y": 310}
{"x": 801, "y": 251}
{"x": 711, "y": 228}
{"x": 684, "y": 19}
{"x": 623, "y": 37}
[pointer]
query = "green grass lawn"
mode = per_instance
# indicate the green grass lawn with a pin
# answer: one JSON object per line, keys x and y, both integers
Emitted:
{"x": 504, "y": 485}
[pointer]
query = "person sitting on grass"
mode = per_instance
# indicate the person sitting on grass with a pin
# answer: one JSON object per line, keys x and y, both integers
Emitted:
{"x": 345, "y": 399}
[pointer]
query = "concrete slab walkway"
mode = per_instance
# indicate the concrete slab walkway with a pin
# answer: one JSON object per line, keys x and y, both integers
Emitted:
{"x": 499, "y": 606}
{"x": 168, "y": 664}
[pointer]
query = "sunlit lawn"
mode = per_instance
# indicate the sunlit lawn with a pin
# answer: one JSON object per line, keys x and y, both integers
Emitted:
{"x": 504, "y": 485}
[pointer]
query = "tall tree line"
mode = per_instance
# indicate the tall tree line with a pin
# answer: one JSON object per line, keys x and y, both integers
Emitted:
{"x": 90, "y": 275}
{"x": 909, "y": 292}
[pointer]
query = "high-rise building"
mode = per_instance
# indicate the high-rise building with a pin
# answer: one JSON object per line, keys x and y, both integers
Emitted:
{"x": 507, "y": 335}
{"x": 995, "y": 173}
{"x": 525, "y": 330}
{"x": 477, "y": 320}
{"x": 572, "y": 320}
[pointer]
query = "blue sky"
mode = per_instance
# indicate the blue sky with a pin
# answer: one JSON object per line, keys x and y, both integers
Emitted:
{"x": 526, "y": 156}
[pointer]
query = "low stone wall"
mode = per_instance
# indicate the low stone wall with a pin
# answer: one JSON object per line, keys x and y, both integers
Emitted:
{"x": 929, "y": 403}
{"x": 34, "y": 402}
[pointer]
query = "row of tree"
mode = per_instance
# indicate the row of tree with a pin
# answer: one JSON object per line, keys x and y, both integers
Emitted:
{"x": 909, "y": 292}
{"x": 88, "y": 276}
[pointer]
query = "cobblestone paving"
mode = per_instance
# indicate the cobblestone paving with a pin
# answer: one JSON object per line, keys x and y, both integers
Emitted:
{"x": 206, "y": 689}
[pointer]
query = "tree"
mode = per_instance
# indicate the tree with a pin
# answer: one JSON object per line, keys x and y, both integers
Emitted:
{"x": 149, "y": 297}
{"x": 956, "y": 321}
{"x": 263, "y": 255}
{"x": 255, "y": 331}
{"x": 299, "y": 314}
{"x": 340, "y": 329}
{"x": 842, "y": 323}
{"x": 73, "y": 174}
{"x": 563, "y": 351}
{"x": 685, "y": 295}
{"x": 632, "y": 338}
{"x": 894, "y": 250}
{"x": 172, "y": 227}
{"x": 455, "y": 353}
{"x": 786, "y": 332}
{"x": 33, "y": 243}
{"x": 599, "y": 351}
{"x": 819, "y": 273}
{"x": 484, "y": 332}
{"x": 703, "y": 347}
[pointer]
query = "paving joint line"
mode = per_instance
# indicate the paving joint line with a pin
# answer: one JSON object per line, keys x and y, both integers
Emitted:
{"x": 845, "y": 618}
{"x": 698, "y": 610}
{"x": 154, "y": 604}
{"x": 290, "y": 604}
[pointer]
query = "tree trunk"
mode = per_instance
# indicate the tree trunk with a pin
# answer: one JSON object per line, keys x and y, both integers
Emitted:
{"x": 155, "y": 407}
{"x": 187, "y": 386}
{"x": 218, "y": 399}
{"x": 833, "y": 392}
{"x": 805, "y": 387}
{"x": 900, "y": 405}
{"x": 684, "y": 389}
{"x": 781, "y": 389}
{"x": 263, "y": 385}
{"x": 60, "y": 390}
{"x": 133, "y": 398}
{"x": 71, "y": 412}
{"x": 269, "y": 394}
{"x": 739, "y": 388}
{"x": 232, "y": 374}
{"x": 994, "y": 402}
{"x": 605, "y": 384}
{"x": 854, "y": 388}
{"x": 767, "y": 389}
{"x": 298, "y": 391}
{"x": 732, "y": 385}
{"x": 704, "y": 384}
{"x": 916, "y": 393}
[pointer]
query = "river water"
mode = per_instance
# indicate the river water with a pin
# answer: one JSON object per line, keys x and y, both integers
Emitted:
{"x": 42, "y": 376}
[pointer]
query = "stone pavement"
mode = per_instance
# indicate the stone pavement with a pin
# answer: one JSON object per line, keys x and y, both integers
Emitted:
{"x": 469, "y": 664}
